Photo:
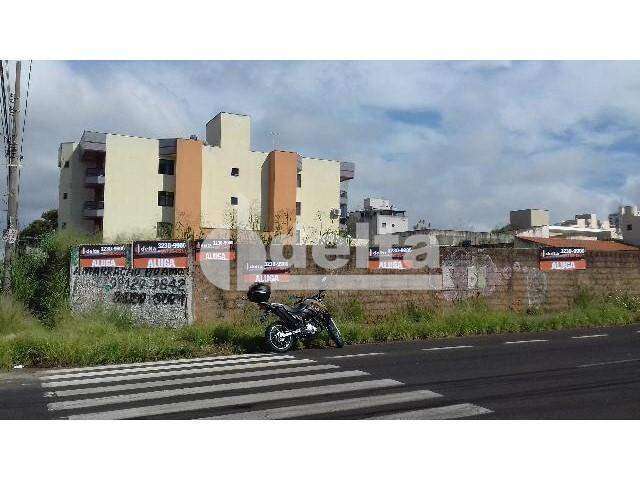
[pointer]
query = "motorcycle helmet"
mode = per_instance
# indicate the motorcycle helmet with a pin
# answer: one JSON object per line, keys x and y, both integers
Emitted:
{"x": 259, "y": 292}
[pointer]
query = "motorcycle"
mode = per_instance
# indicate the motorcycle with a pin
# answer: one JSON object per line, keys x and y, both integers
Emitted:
{"x": 304, "y": 320}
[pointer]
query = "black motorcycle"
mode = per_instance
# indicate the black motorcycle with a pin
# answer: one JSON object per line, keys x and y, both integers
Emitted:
{"x": 303, "y": 320}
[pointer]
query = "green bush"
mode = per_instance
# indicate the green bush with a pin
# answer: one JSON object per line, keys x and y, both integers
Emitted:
{"x": 40, "y": 275}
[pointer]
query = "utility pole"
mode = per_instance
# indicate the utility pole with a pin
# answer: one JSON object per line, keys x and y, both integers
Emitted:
{"x": 13, "y": 178}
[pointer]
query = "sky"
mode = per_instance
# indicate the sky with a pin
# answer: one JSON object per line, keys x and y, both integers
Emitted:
{"x": 457, "y": 144}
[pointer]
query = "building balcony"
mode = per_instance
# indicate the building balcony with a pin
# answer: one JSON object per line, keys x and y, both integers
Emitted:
{"x": 94, "y": 176}
{"x": 347, "y": 171}
{"x": 93, "y": 146}
{"x": 93, "y": 209}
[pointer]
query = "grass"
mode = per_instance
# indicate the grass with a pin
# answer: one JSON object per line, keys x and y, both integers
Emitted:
{"x": 110, "y": 336}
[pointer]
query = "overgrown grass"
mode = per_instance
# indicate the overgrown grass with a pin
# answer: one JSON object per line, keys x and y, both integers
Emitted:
{"x": 110, "y": 336}
{"x": 40, "y": 276}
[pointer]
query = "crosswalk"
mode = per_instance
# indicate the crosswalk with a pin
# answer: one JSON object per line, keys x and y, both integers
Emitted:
{"x": 253, "y": 386}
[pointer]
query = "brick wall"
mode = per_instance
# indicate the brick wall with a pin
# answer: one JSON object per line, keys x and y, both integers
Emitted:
{"x": 507, "y": 278}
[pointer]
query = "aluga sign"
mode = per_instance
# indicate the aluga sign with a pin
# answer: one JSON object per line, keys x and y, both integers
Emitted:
{"x": 562, "y": 258}
{"x": 160, "y": 254}
{"x": 101, "y": 256}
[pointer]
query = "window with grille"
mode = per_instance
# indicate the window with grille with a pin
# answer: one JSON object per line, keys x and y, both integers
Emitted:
{"x": 165, "y": 199}
{"x": 166, "y": 166}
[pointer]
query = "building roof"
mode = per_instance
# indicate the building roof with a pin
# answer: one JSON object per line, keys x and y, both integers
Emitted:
{"x": 588, "y": 245}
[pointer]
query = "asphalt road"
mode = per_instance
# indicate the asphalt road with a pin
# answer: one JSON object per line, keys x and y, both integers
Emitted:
{"x": 578, "y": 374}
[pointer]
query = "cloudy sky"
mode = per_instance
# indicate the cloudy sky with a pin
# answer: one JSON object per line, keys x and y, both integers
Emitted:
{"x": 458, "y": 144}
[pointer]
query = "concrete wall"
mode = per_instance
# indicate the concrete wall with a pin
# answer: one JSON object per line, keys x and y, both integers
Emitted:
{"x": 131, "y": 189}
{"x": 507, "y": 278}
{"x": 458, "y": 237}
{"x": 161, "y": 297}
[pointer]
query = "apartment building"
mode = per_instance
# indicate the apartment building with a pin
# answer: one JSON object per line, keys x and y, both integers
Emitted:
{"x": 382, "y": 218}
{"x": 534, "y": 223}
{"x": 131, "y": 187}
{"x": 629, "y": 217}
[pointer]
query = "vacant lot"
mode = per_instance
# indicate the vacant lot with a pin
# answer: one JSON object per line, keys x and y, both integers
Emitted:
{"x": 110, "y": 336}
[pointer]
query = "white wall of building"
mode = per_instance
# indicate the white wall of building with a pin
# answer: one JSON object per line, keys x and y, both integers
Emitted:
{"x": 318, "y": 196}
{"x": 131, "y": 189}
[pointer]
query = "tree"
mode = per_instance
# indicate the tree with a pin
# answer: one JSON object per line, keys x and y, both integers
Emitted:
{"x": 47, "y": 223}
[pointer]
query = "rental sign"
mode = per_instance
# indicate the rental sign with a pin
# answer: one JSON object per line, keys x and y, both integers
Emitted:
{"x": 389, "y": 258}
{"x": 160, "y": 254}
{"x": 223, "y": 250}
{"x": 101, "y": 256}
{"x": 562, "y": 258}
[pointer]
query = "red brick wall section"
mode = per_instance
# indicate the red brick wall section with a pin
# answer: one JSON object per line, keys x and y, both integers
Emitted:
{"x": 507, "y": 278}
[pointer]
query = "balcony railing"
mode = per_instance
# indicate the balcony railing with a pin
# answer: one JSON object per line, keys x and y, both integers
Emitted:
{"x": 94, "y": 176}
{"x": 93, "y": 209}
{"x": 95, "y": 172}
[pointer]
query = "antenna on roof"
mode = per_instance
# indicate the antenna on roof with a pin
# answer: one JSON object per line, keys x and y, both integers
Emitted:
{"x": 274, "y": 136}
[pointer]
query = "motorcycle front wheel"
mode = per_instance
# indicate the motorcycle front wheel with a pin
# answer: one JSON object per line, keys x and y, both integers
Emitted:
{"x": 278, "y": 338}
{"x": 334, "y": 333}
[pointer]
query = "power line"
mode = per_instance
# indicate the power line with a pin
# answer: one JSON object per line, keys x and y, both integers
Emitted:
{"x": 6, "y": 133}
{"x": 26, "y": 108}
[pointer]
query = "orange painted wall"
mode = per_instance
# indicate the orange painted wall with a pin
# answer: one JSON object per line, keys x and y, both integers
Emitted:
{"x": 283, "y": 170}
{"x": 188, "y": 193}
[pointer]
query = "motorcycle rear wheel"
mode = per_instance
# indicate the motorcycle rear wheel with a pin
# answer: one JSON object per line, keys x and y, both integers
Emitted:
{"x": 276, "y": 338}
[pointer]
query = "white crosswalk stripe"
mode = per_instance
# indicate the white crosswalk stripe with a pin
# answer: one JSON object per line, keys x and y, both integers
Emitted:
{"x": 189, "y": 380}
{"x": 330, "y": 407}
{"x": 148, "y": 364}
{"x": 100, "y": 373}
{"x": 257, "y": 386}
{"x": 173, "y": 373}
{"x": 437, "y": 413}
{"x": 221, "y": 387}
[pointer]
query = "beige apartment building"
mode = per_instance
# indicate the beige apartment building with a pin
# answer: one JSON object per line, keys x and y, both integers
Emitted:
{"x": 131, "y": 187}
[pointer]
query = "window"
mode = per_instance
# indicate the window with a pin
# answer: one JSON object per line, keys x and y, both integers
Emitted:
{"x": 234, "y": 200}
{"x": 298, "y": 208}
{"x": 165, "y": 199}
{"x": 164, "y": 229}
{"x": 629, "y": 227}
{"x": 167, "y": 166}
{"x": 64, "y": 195}
{"x": 299, "y": 179}
{"x": 235, "y": 172}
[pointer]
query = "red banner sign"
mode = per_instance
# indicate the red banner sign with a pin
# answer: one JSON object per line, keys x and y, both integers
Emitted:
{"x": 267, "y": 272}
{"x": 223, "y": 250}
{"x": 160, "y": 254}
{"x": 577, "y": 264}
{"x": 389, "y": 258}
{"x": 100, "y": 256}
